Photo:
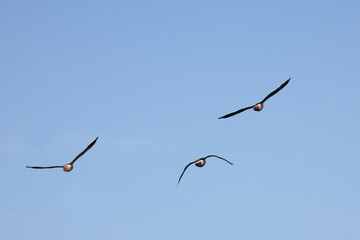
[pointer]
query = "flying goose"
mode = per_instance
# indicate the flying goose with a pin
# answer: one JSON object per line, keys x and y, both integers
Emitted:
{"x": 200, "y": 163}
{"x": 259, "y": 106}
{"x": 68, "y": 167}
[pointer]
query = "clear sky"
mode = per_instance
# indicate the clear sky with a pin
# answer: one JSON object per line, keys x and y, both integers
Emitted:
{"x": 150, "y": 79}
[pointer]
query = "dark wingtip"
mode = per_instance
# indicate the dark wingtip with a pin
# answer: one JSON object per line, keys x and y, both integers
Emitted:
{"x": 28, "y": 167}
{"x": 225, "y": 116}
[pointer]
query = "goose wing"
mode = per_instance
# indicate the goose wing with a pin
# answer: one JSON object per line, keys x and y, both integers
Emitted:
{"x": 184, "y": 171}
{"x": 83, "y": 152}
{"x": 236, "y": 112}
{"x": 276, "y": 91}
{"x": 45, "y": 167}
{"x": 219, "y": 158}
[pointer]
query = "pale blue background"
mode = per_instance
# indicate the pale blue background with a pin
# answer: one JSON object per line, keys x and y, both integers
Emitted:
{"x": 150, "y": 78}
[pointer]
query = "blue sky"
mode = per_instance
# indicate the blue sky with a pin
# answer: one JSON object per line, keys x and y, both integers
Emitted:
{"x": 150, "y": 79}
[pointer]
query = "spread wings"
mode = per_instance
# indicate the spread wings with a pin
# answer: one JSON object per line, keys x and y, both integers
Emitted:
{"x": 77, "y": 157}
{"x": 266, "y": 98}
{"x": 203, "y": 159}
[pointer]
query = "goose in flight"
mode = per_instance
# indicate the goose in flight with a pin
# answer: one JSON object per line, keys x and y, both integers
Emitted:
{"x": 200, "y": 163}
{"x": 68, "y": 167}
{"x": 259, "y": 106}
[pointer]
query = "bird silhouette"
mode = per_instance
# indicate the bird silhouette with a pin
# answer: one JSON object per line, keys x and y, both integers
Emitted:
{"x": 259, "y": 106}
{"x": 200, "y": 163}
{"x": 68, "y": 167}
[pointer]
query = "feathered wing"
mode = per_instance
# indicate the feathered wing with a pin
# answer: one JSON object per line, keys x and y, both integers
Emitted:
{"x": 234, "y": 113}
{"x": 219, "y": 158}
{"x": 45, "y": 167}
{"x": 184, "y": 171}
{"x": 276, "y": 91}
{"x": 83, "y": 152}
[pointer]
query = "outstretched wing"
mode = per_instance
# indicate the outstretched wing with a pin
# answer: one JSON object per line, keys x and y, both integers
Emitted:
{"x": 184, "y": 171}
{"x": 83, "y": 152}
{"x": 45, "y": 167}
{"x": 275, "y": 91}
{"x": 234, "y": 113}
{"x": 219, "y": 158}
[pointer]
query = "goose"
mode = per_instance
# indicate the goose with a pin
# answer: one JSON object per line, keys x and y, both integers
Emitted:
{"x": 200, "y": 163}
{"x": 68, "y": 167}
{"x": 259, "y": 106}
